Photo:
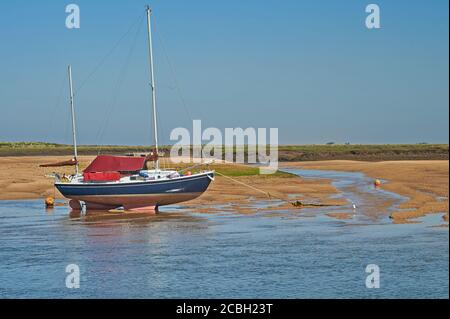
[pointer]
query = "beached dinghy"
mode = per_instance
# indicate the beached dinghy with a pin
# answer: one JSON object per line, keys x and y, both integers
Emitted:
{"x": 114, "y": 181}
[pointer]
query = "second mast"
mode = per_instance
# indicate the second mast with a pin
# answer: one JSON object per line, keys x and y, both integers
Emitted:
{"x": 152, "y": 84}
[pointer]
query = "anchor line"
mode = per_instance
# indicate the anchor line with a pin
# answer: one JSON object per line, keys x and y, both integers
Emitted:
{"x": 270, "y": 196}
{"x": 247, "y": 185}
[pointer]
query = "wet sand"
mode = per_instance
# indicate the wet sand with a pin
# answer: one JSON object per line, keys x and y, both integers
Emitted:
{"x": 425, "y": 183}
{"x": 227, "y": 195}
{"x": 340, "y": 216}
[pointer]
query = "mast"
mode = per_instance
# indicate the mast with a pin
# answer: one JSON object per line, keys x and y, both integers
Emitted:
{"x": 74, "y": 135}
{"x": 152, "y": 84}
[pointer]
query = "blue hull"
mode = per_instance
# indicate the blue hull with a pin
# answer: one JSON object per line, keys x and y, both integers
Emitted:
{"x": 138, "y": 194}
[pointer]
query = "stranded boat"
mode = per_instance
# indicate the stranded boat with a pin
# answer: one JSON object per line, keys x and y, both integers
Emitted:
{"x": 114, "y": 181}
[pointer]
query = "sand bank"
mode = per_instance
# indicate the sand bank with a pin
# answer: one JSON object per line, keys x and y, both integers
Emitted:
{"x": 425, "y": 183}
{"x": 22, "y": 178}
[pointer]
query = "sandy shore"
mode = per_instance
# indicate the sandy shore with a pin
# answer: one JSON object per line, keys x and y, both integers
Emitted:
{"x": 22, "y": 178}
{"x": 425, "y": 183}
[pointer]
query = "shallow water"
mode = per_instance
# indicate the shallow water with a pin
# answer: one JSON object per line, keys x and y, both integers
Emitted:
{"x": 180, "y": 253}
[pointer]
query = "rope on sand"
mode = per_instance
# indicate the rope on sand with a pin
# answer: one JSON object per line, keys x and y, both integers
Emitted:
{"x": 247, "y": 185}
{"x": 295, "y": 203}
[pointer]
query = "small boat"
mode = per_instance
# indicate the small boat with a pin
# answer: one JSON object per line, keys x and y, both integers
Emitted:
{"x": 120, "y": 181}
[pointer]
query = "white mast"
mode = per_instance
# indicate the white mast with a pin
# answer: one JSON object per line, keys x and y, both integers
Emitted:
{"x": 74, "y": 134}
{"x": 152, "y": 84}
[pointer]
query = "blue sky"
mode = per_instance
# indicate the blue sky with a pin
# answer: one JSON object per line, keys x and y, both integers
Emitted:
{"x": 310, "y": 68}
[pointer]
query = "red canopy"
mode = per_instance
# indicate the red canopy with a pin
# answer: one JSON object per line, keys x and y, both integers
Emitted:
{"x": 107, "y": 163}
{"x": 101, "y": 176}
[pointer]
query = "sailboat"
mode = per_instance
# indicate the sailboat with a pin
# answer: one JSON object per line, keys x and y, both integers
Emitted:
{"x": 111, "y": 182}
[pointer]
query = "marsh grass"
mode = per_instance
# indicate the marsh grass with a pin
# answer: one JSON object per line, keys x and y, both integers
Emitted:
{"x": 232, "y": 170}
{"x": 377, "y": 152}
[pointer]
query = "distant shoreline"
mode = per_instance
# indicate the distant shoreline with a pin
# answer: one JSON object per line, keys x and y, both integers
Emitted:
{"x": 286, "y": 153}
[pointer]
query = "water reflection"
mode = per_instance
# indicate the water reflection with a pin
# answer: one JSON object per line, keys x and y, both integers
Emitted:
{"x": 93, "y": 216}
{"x": 183, "y": 253}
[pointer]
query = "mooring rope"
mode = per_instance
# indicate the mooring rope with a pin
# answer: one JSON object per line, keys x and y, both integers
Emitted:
{"x": 296, "y": 203}
{"x": 270, "y": 196}
{"x": 245, "y": 184}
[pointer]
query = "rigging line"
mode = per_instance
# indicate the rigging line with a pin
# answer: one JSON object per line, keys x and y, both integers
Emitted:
{"x": 55, "y": 107}
{"x": 159, "y": 35}
{"x": 105, "y": 57}
{"x": 271, "y": 196}
{"x": 161, "y": 127}
{"x": 249, "y": 186}
{"x": 118, "y": 85}
{"x": 161, "y": 133}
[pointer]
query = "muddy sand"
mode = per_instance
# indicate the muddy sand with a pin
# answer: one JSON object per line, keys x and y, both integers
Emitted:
{"x": 424, "y": 183}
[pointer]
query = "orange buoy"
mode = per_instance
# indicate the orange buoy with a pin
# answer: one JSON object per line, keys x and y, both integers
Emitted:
{"x": 188, "y": 173}
{"x": 377, "y": 183}
{"x": 49, "y": 202}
